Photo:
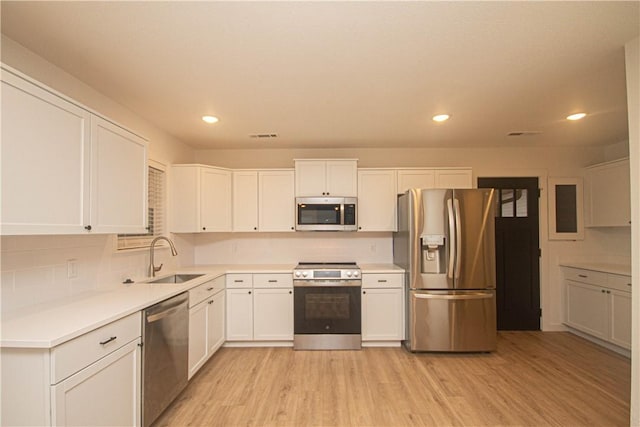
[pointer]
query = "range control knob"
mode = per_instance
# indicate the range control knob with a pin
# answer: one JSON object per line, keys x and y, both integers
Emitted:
{"x": 356, "y": 274}
{"x": 348, "y": 274}
{"x": 297, "y": 274}
{"x": 304, "y": 274}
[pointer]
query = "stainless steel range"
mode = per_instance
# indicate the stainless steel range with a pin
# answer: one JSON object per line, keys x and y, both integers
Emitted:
{"x": 326, "y": 306}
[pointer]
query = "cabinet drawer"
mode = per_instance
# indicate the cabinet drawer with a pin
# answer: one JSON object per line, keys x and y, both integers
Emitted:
{"x": 586, "y": 276}
{"x": 202, "y": 292}
{"x": 244, "y": 280}
{"x": 619, "y": 282}
{"x": 74, "y": 355}
{"x": 382, "y": 280}
{"x": 275, "y": 280}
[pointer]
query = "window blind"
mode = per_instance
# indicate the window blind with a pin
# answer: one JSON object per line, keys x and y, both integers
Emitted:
{"x": 156, "y": 212}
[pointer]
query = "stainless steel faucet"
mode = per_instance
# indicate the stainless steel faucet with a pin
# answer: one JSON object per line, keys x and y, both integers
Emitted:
{"x": 152, "y": 268}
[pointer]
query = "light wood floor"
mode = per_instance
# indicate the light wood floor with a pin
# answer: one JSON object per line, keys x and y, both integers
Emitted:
{"x": 535, "y": 378}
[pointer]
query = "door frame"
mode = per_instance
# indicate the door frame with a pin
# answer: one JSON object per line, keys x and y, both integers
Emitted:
{"x": 547, "y": 293}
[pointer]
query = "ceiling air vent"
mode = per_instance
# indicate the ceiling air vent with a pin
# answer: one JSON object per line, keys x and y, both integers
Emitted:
{"x": 524, "y": 133}
{"x": 263, "y": 135}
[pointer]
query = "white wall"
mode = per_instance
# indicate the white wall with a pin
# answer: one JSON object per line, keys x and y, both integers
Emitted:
{"x": 632, "y": 56}
{"x": 34, "y": 268}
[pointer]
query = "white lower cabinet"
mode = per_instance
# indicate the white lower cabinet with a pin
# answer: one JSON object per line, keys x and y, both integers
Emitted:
{"x": 259, "y": 307}
{"x": 382, "y": 307}
{"x": 599, "y": 304}
{"x": 206, "y": 322}
{"x": 93, "y": 379}
{"x": 105, "y": 393}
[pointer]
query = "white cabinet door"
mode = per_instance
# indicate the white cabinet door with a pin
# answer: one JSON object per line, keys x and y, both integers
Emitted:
{"x": 342, "y": 178}
{"x": 377, "y": 200}
{"x": 273, "y": 314}
{"x": 106, "y": 393}
{"x": 215, "y": 199}
{"x": 620, "y": 320}
{"x": 338, "y": 178}
{"x": 415, "y": 178}
{"x": 310, "y": 178}
{"x": 215, "y": 322}
{"x": 276, "y": 201}
{"x": 239, "y": 314}
{"x": 245, "y": 200}
{"x": 608, "y": 195}
{"x": 382, "y": 318}
{"x": 45, "y": 161}
{"x": 118, "y": 179}
{"x": 197, "y": 337}
{"x": 587, "y": 309}
{"x": 454, "y": 178}
{"x": 185, "y": 199}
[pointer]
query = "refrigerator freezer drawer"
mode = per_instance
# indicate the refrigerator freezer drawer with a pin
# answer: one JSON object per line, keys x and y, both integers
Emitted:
{"x": 463, "y": 321}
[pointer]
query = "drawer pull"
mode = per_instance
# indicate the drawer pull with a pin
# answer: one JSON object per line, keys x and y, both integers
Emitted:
{"x": 382, "y": 281}
{"x": 238, "y": 281}
{"x": 210, "y": 289}
{"x": 273, "y": 281}
{"x": 628, "y": 284}
{"x": 210, "y": 302}
{"x": 108, "y": 341}
{"x": 584, "y": 276}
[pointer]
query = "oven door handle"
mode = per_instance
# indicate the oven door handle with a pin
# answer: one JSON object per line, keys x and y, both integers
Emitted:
{"x": 326, "y": 283}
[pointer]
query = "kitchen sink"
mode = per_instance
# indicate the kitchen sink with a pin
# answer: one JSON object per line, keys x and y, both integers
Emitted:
{"x": 176, "y": 278}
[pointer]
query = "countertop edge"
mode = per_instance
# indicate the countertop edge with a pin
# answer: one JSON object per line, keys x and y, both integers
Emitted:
{"x": 621, "y": 269}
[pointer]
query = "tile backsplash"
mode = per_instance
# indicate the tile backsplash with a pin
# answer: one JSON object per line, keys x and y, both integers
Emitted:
{"x": 35, "y": 269}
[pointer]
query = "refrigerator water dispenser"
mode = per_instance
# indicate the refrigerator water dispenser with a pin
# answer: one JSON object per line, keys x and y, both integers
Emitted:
{"x": 433, "y": 254}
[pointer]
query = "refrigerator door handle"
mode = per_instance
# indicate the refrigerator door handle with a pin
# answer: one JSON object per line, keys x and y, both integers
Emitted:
{"x": 456, "y": 209}
{"x": 452, "y": 244}
{"x": 465, "y": 296}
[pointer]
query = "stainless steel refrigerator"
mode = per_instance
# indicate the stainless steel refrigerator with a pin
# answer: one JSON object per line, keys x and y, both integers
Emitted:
{"x": 446, "y": 244}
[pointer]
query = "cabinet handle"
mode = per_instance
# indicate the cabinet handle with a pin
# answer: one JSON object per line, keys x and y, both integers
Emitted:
{"x": 584, "y": 276}
{"x": 238, "y": 281}
{"x": 273, "y": 281}
{"x": 209, "y": 289}
{"x": 210, "y": 302}
{"x": 382, "y": 281}
{"x": 108, "y": 341}
{"x": 88, "y": 228}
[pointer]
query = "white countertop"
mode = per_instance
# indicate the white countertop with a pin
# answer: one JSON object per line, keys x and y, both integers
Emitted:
{"x": 51, "y": 325}
{"x": 622, "y": 269}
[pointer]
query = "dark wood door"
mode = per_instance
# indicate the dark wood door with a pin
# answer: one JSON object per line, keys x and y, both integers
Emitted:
{"x": 517, "y": 252}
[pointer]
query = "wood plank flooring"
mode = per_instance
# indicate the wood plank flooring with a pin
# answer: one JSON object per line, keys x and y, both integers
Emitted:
{"x": 534, "y": 379}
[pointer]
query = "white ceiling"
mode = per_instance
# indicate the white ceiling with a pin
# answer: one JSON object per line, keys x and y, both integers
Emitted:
{"x": 348, "y": 74}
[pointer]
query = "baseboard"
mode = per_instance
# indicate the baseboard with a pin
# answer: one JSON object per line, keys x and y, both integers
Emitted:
{"x": 621, "y": 351}
{"x": 381, "y": 344}
{"x": 258, "y": 344}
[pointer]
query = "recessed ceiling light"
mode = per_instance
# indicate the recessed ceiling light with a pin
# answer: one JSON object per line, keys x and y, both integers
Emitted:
{"x": 210, "y": 119}
{"x": 576, "y": 116}
{"x": 440, "y": 117}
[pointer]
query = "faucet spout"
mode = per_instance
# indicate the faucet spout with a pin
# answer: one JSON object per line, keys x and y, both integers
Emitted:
{"x": 152, "y": 268}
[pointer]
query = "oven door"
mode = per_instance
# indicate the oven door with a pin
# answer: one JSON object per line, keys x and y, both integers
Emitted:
{"x": 326, "y": 307}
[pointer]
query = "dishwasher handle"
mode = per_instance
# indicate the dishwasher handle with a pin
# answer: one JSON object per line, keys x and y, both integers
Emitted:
{"x": 162, "y": 310}
{"x": 159, "y": 316}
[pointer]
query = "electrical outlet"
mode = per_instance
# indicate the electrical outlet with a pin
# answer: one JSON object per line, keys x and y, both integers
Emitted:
{"x": 72, "y": 268}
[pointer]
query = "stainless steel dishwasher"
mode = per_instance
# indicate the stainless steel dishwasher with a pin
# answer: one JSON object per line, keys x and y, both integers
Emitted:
{"x": 165, "y": 355}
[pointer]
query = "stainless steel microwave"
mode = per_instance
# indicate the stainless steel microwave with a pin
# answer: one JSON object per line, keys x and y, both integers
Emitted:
{"x": 326, "y": 214}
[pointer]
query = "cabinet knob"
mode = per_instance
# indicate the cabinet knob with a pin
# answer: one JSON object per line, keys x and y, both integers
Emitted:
{"x": 249, "y": 292}
{"x": 290, "y": 292}
{"x": 88, "y": 228}
{"x": 608, "y": 292}
{"x": 255, "y": 228}
{"x": 603, "y": 291}
{"x": 292, "y": 228}
{"x": 204, "y": 228}
{"x": 364, "y": 292}
{"x": 211, "y": 302}
{"x": 209, "y": 289}
{"x": 359, "y": 228}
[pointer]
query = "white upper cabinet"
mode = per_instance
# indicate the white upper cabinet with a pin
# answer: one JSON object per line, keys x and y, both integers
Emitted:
{"x": 415, "y": 178}
{"x": 454, "y": 178}
{"x": 263, "y": 200}
{"x": 338, "y": 178}
{"x": 118, "y": 179}
{"x": 434, "y": 178}
{"x": 201, "y": 199}
{"x": 377, "y": 200}
{"x": 245, "y": 200}
{"x": 607, "y": 194}
{"x": 65, "y": 170}
{"x": 276, "y": 200}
